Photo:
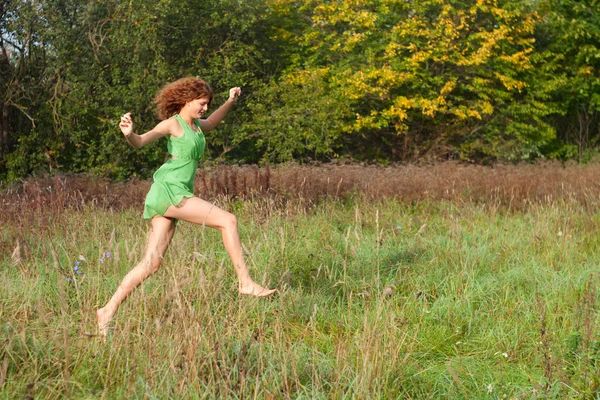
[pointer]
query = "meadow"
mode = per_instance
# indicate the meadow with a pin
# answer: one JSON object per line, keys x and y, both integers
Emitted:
{"x": 444, "y": 281}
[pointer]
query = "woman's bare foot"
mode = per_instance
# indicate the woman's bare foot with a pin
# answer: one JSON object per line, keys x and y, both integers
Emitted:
{"x": 103, "y": 321}
{"x": 254, "y": 289}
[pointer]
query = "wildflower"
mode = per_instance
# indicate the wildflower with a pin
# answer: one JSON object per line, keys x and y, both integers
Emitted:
{"x": 82, "y": 258}
{"x": 105, "y": 257}
{"x": 77, "y": 262}
{"x": 69, "y": 279}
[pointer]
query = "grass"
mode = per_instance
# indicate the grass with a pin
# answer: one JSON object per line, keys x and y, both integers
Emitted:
{"x": 378, "y": 299}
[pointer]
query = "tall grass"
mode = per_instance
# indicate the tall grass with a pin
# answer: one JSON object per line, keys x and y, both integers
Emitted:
{"x": 512, "y": 187}
{"x": 379, "y": 298}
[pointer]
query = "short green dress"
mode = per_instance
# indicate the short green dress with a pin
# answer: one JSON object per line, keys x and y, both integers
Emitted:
{"x": 174, "y": 180}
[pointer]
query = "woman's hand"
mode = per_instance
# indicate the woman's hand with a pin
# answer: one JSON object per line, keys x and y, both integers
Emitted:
{"x": 234, "y": 93}
{"x": 126, "y": 124}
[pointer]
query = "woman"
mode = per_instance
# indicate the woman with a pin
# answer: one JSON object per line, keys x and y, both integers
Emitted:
{"x": 180, "y": 106}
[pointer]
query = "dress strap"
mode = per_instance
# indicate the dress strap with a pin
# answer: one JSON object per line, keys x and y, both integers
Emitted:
{"x": 197, "y": 123}
{"x": 185, "y": 125}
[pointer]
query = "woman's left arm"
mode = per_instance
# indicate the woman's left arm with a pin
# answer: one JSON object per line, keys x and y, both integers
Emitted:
{"x": 215, "y": 118}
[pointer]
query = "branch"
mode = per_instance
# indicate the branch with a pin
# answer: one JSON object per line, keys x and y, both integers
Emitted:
{"x": 23, "y": 110}
{"x": 13, "y": 45}
{"x": 227, "y": 149}
{"x": 4, "y": 52}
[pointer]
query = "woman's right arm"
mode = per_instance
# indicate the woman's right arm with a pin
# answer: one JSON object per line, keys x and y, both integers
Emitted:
{"x": 137, "y": 141}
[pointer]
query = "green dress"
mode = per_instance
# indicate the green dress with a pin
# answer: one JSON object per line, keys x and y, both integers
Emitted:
{"x": 174, "y": 180}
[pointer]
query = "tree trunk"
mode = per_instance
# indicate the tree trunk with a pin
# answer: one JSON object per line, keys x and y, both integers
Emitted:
{"x": 5, "y": 128}
{"x": 2, "y": 136}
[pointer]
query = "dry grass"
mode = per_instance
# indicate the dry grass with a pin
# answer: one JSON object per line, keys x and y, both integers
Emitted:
{"x": 509, "y": 187}
{"x": 514, "y": 187}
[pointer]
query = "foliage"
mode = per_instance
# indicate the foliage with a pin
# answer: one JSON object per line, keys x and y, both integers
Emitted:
{"x": 571, "y": 40}
{"x": 429, "y": 74}
{"x": 378, "y": 80}
{"x": 297, "y": 118}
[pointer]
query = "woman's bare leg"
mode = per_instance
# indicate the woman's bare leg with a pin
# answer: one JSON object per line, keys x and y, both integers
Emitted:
{"x": 202, "y": 212}
{"x": 158, "y": 241}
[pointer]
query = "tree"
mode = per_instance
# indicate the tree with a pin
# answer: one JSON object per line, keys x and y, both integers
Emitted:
{"x": 23, "y": 60}
{"x": 428, "y": 76}
{"x": 570, "y": 39}
{"x": 106, "y": 58}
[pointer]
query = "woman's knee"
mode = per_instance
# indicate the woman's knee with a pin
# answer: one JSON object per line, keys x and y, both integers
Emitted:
{"x": 154, "y": 267}
{"x": 230, "y": 222}
{"x": 152, "y": 263}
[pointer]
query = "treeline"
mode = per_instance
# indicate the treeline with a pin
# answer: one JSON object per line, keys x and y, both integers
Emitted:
{"x": 378, "y": 80}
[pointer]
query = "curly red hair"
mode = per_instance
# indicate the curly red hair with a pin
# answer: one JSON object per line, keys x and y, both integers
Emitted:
{"x": 173, "y": 96}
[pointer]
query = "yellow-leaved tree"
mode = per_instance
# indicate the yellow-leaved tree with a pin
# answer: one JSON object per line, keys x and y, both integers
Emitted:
{"x": 414, "y": 78}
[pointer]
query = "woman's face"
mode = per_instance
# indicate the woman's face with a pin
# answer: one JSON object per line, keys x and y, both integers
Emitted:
{"x": 198, "y": 107}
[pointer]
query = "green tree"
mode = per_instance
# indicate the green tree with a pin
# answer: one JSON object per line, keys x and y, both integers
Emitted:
{"x": 23, "y": 75}
{"x": 570, "y": 40}
{"x": 106, "y": 58}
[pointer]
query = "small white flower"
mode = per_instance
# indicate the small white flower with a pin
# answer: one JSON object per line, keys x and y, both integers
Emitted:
{"x": 490, "y": 388}
{"x": 559, "y": 233}
{"x": 505, "y": 355}
{"x": 82, "y": 258}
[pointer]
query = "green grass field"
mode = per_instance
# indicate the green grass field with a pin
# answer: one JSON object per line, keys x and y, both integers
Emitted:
{"x": 377, "y": 300}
